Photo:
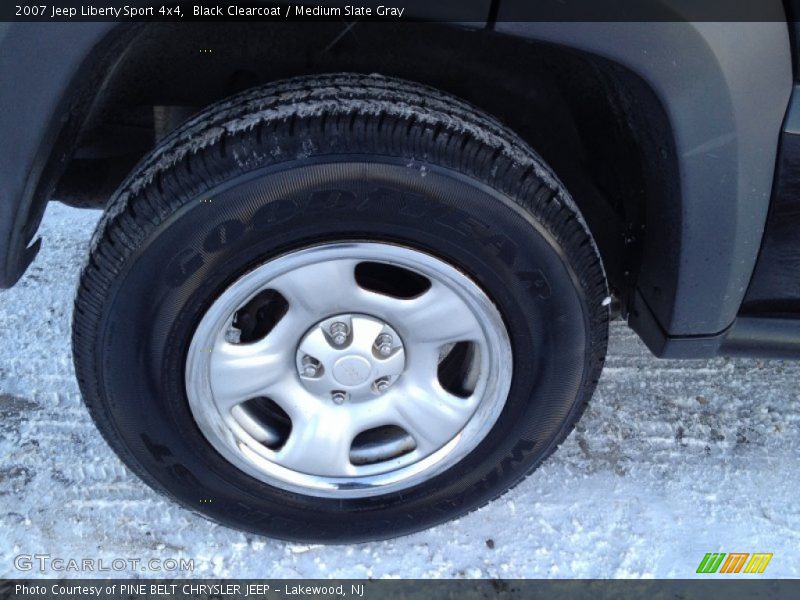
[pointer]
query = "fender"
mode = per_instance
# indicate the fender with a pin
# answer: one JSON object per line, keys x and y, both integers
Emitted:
{"x": 39, "y": 65}
{"x": 726, "y": 101}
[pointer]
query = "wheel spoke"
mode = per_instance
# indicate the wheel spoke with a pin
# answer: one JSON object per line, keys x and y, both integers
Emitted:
{"x": 320, "y": 444}
{"x": 239, "y": 372}
{"x": 438, "y": 315}
{"x": 320, "y": 289}
{"x": 296, "y": 400}
{"x": 376, "y": 413}
{"x": 422, "y": 360}
{"x": 430, "y": 414}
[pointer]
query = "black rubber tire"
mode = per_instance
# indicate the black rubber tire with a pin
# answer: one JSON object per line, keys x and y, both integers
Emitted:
{"x": 336, "y": 157}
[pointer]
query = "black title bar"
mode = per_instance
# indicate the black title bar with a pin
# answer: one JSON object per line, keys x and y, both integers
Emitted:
{"x": 393, "y": 10}
{"x": 271, "y": 589}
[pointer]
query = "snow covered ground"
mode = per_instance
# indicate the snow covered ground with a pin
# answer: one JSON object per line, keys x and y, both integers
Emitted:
{"x": 671, "y": 460}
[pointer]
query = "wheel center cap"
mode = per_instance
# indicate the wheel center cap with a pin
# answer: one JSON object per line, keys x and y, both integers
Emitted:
{"x": 352, "y": 370}
{"x": 350, "y": 357}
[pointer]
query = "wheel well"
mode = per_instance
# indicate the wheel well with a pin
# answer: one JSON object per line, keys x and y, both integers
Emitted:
{"x": 598, "y": 125}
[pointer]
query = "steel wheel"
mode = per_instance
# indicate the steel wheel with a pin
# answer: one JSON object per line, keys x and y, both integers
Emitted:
{"x": 373, "y": 368}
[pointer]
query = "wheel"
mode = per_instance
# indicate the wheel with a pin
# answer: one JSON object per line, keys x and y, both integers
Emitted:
{"x": 339, "y": 308}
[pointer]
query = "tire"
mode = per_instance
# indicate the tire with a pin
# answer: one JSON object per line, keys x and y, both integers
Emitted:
{"x": 378, "y": 172}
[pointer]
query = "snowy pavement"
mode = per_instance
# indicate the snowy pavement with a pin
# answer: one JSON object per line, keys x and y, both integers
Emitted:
{"x": 671, "y": 460}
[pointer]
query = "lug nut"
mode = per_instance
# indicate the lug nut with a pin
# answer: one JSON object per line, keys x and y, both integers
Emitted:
{"x": 381, "y": 385}
{"x": 384, "y": 344}
{"x": 339, "y": 332}
{"x": 311, "y": 366}
{"x": 338, "y": 397}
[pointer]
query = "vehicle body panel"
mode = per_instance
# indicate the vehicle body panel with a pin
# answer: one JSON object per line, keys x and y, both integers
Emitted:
{"x": 725, "y": 88}
{"x": 38, "y": 65}
{"x": 775, "y": 287}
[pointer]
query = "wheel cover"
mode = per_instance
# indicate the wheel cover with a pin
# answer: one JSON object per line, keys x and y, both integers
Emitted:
{"x": 381, "y": 367}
